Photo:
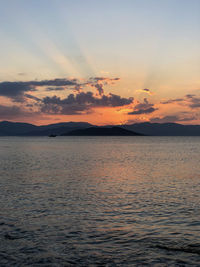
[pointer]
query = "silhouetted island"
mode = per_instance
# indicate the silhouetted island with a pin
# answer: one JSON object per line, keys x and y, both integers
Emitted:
{"x": 102, "y": 131}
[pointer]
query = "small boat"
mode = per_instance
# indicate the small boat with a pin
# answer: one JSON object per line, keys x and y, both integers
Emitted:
{"x": 52, "y": 135}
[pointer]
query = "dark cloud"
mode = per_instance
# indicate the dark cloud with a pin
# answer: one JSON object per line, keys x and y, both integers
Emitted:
{"x": 143, "y": 108}
{"x": 6, "y": 111}
{"x": 189, "y": 100}
{"x": 164, "y": 119}
{"x": 172, "y": 118}
{"x": 176, "y": 100}
{"x": 142, "y": 111}
{"x": 145, "y": 90}
{"x": 191, "y": 118}
{"x": 32, "y": 97}
{"x": 99, "y": 88}
{"x": 99, "y": 82}
{"x": 194, "y": 101}
{"x": 16, "y": 90}
{"x": 189, "y": 95}
{"x": 12, "y": 112}
{"x": 81, "y": 102}
{"x": 60, "y": 88}
{"x": 55, "y": 82}
{"x": 144, "y": 105}
{"x": 104, "y": 79}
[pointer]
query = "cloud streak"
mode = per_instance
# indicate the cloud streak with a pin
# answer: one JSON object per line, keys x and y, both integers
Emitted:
{"x": 143, "y": 108}
{"x": 16, "y": 90}
{"x": 190, "y": 100}
{"x": 145, "y": 90}
{"x": 12, "y": 112}
{"x": 172, "y": 119}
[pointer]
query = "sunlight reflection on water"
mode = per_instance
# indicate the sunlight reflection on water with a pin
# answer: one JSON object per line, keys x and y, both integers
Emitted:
{"x": 99, "y": 200}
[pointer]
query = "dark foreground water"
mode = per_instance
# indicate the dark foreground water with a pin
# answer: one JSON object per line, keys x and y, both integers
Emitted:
{"x": 100, "y": 201}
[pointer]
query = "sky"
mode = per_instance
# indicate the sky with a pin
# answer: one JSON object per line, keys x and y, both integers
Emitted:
{"x": 100, "y": 61}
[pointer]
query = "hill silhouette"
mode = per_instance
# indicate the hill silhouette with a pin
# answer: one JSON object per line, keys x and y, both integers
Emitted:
{"x": 8, "y": 128}
{"x": 164, "y": 129}
{"x": 102, "y": 131}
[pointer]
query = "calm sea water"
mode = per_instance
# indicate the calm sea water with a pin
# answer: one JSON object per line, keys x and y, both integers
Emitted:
{"x": 100, "y": 201}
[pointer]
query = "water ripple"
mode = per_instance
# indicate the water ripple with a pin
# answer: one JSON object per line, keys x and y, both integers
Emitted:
{"x": 99, "y": 202}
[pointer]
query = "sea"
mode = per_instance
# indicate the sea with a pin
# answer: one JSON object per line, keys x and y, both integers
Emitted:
{"x": 100, "y": 201}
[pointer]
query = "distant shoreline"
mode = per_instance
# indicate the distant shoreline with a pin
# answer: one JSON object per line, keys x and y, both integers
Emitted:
{"x": 8, "y": 128}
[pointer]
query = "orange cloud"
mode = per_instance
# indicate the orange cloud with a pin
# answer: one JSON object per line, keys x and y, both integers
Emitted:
{"x": 146, "y": 91}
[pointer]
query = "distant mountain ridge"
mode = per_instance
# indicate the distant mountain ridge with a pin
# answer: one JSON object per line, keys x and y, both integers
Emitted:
{"x": 164, "y": 129}
{"x": 25, "y": 129}
{"x": 8, "y": 128}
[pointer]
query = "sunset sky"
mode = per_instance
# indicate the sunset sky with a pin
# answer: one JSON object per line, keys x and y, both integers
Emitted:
{"x": 100, "y": 61}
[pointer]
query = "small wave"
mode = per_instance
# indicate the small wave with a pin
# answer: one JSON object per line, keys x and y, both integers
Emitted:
{"x": 6, "y": 224}
{"x": 194, "y": 224}
{"x": 11, "y": 237}
{"x": 195, "y": 249}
